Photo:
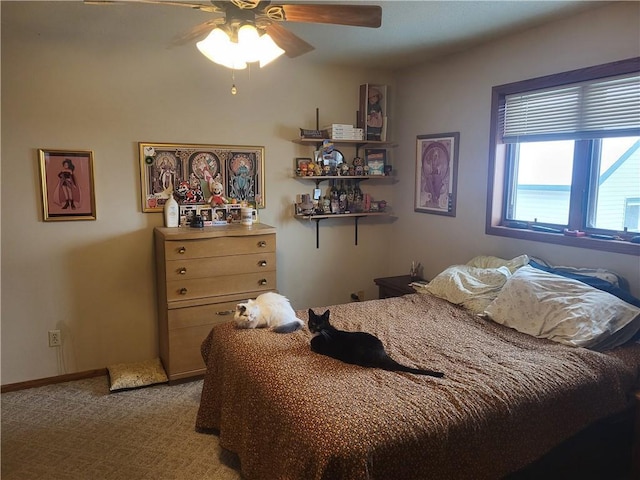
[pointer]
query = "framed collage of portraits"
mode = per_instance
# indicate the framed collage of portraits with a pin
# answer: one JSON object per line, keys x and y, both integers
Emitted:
{"x": 201, "y": 174}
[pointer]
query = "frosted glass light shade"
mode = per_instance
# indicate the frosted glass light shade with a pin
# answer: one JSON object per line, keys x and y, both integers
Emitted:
{"x": 251, "y": 47}
{"x": 269, "y": 51}
{"x": 219, "y": 48}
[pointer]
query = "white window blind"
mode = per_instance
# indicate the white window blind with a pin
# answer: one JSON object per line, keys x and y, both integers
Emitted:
{"x": 598, "y": 108}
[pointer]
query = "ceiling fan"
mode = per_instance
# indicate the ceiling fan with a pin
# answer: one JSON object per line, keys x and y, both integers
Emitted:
{"x": 267, "y": 18}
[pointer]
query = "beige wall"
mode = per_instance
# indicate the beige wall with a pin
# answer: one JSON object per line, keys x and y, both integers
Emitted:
{"x": 87, "y": 87}
{"x": 454, "y": 95}
{"x": 83, "y": 86}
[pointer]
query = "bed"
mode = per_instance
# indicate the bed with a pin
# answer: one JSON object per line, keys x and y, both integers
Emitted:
{"x": 507, "y": 399}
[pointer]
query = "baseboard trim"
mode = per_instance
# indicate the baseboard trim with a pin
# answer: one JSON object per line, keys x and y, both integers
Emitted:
{"x": 41, "y": 382}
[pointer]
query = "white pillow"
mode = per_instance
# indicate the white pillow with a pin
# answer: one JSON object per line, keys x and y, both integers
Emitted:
{"x": 472, "y": 287}
{"x": 564, "y": 310}
{"x": 488, "y": 261}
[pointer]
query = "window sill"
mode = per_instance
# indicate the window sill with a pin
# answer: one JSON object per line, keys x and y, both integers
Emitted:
{"x": 616, "y": 246}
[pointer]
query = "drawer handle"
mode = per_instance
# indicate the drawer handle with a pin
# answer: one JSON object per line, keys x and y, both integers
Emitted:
{"x": 263, "y": 281}
{"x": 183, "y": 291}
{"x": 182, "y": 270}
{"x": 226, "y": 312}
{"x": 262, "y": 263}
{"x": 262, "y": 244}
{"x": 182, "y": 250}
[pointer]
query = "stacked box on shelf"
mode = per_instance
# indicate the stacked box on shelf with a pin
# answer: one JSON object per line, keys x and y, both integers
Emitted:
{"x": 339, "y": 131}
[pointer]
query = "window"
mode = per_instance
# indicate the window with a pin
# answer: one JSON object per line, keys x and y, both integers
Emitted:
{"x": 565, "y": 158}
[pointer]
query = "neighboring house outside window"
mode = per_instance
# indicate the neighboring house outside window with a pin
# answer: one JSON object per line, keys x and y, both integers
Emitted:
{"x": 565, "y": 157}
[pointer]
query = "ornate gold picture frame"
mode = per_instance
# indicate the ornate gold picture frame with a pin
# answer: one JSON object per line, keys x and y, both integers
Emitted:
{"x": 201, "y": 174}
{"x": 67, "y": 185}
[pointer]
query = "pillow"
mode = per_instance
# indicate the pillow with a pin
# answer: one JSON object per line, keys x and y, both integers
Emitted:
{"x": 485, "y": 261}
{"x": 564, "y": 310}
{"x": 600, "y": 279}
{"x": 471, "y": 287}
{"x": 125, "y": 376}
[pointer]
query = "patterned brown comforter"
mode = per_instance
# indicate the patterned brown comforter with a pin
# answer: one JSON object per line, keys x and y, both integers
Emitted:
{"x": 506, "y": 398}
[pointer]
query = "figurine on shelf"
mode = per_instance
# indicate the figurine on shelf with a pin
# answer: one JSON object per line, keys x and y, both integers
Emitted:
{"x": 217, "y": 197}
{"x": 358, "y": 165}
{"x": 311, "y": 169}
{"x": 318, "y": 170}
{"x": 305, "y": 207}
{"x": 344, "y": 169}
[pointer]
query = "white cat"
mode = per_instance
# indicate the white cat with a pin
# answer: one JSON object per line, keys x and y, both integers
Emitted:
{"x": 268, "y": 310}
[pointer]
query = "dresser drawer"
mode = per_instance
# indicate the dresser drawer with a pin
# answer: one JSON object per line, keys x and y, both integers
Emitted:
{"x": 223, "y": 285}
{"x": 219, "y": 247}
{"x": 186, "y": 269}
{"x": 184, "y": 349}
{"x": 210, "y": 315}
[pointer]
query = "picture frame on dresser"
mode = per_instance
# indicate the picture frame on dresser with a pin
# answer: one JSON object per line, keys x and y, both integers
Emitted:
{"x": 200, "y": 174}
{"x": 436, "y": 173}
{"x": 68, "y": 191}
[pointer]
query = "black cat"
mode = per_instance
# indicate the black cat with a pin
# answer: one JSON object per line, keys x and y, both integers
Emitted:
{"x": 358, "y": 348}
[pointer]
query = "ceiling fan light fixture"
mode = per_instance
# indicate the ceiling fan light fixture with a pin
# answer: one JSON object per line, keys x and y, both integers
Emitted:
{"x": 250, "y": 47}
{"x": 219, "y": 48}
{"x": 269, "y": 51}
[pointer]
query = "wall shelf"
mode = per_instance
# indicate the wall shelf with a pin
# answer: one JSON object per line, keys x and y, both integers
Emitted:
{"x": 319, "y": 179}
{"x": 355, "y": 216}
{"x": 317, "y": 142}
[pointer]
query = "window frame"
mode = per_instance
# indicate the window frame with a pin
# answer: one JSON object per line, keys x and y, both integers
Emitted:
{"x": 498, "y": 163}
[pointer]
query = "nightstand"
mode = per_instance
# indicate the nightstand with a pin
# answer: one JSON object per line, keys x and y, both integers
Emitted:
{"x": 394, "y": 286}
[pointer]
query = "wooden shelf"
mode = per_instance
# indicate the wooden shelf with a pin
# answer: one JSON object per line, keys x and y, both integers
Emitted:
{"x": 321, "y": 178}
{"x": 313, "y": 141}
{"x": 340, "y": 215}
{"x": 355, "y": 216}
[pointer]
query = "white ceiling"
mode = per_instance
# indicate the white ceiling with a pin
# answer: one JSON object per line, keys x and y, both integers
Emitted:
{"x": 411, "y": 32}
{"x": 415, "y": 31}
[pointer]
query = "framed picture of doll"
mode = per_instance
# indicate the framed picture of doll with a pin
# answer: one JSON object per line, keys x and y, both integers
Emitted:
{"x": 67, "y": 185}
{"x": 372, "y": 113}
{"x": 197, "y": 174}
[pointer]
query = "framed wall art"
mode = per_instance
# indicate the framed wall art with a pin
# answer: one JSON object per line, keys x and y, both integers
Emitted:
{"x": 372, "y": 113}
{"x": 436, "y": 173}
{"x": 67, "y": 185}
{"x": 200, "y": 174}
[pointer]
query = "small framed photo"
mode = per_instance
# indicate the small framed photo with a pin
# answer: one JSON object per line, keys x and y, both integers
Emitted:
{"x": 436, "y": 173}
{"x": 67, "y": 185}
{"x": 375, "y": 159}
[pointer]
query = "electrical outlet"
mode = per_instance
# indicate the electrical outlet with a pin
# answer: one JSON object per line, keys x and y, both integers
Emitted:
{"x": 55, "y": 338}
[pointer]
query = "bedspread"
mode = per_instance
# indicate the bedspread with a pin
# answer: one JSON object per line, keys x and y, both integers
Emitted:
{"x": 505, "y": 400}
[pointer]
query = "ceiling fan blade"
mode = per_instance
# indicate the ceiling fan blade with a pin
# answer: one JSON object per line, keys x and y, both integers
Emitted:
{"x": 353, "y": 15}
{"x": 292, "y": 45}
{"x": 196, "y": 6}
{"x": 197, "y": 32}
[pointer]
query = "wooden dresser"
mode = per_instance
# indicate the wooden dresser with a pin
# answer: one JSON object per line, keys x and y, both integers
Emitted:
{"x": 202, "y": 274}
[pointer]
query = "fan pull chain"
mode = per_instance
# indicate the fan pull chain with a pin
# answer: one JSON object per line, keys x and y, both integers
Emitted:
{"x": 234, "y": 90}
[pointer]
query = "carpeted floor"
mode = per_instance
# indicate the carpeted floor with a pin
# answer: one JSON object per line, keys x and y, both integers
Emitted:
{"x": 78, "y": 430}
